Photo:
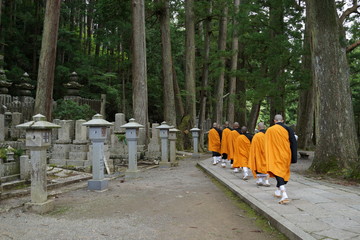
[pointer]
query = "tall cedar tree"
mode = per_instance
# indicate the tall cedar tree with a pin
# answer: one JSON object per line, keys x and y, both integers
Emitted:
{"x": 336, "y": 140}
{"x": 139, "y": 73}
{"x": 45, "y": 82}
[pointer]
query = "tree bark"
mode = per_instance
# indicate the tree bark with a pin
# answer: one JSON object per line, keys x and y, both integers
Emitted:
{"x": 277, "y": 52}
{"x": 305, "y": 119}
{"x": 234, "y": 65}
{"x": 253, "y": 117}
{"x": 178, "y": 99}
{"x": 336, "y": 140}
{"x": 45, "y": 81}
{"x": 139, "y": 72}
{"x": 221, "y": 81}
{"x": 205, "y": 73}
{"x": 169, "y": 97}
{"x": 190, "y": 62}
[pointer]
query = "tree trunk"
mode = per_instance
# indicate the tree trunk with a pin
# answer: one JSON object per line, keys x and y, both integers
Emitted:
{"x": 305, "y": 121}
{"x": 336, "y": 140}
{"x": 254, "y": 114}
{"x": 45, "y": 81}
{"x": 277, "y": 52}
{"x": 178, "y": 99}
{"x": 89, "y": 26}
{"x": 234, "y": 65}
{"x": 205, "y": 73}
{"x": 221, "y": 81}
{"x": 190, "y": 62}
{"x": 139, "y": 73}
{"x": 169, "y": 97}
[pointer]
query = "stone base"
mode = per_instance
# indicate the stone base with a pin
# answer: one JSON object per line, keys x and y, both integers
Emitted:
{"x": 132, "y": 174}
{"x": 57, "y": 162}
{"x": 97, "y": 184}
{"x": 164, "y": 164}
{"x": 195, "y": 155}
{"x": 40, "y": 208}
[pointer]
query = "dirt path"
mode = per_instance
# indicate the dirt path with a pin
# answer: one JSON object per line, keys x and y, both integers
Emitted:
{"x": 180, "y": 203}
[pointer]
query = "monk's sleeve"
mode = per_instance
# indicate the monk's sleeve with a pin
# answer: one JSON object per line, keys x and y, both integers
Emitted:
{"x": 293, "y": 145}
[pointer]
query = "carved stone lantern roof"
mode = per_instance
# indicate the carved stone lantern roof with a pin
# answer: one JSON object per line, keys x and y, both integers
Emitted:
{"x": 39, "y": 122}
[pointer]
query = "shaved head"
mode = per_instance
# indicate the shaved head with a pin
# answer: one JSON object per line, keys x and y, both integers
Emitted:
{"x": 278, "y": 118}
{"x": 261, "y": 125}
{"x": 215, "y": 124}
{"x": 243, "y": 129}
{"x": 236, "y": 125}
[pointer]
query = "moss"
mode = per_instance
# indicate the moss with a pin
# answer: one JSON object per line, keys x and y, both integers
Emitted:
{"x": 59, "y": 211}
{"x": 323, "y": 166}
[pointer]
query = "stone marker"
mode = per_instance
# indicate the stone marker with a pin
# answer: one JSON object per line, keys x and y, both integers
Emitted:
{"x": 38, "y": 139}
{"x": 132, "y": 129}
{"x": 195, "y": 134}
{"x": 172, "y": 140}
{"x": 164, "y": 135}
{"x": 97, "y": 135}
{"x": 2, "y": 127}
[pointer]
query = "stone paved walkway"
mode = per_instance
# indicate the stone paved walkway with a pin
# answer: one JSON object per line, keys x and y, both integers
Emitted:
{"x": 318, "y": 210}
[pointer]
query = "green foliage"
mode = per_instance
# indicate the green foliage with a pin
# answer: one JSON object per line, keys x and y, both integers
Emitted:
{"x": 3, "y": 153}
{"x": 67, "y": 109}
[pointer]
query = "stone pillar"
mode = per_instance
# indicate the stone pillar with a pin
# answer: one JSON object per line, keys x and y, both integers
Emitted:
{"x": 132, "y": 129}
{"x": 172, "y": 140}
{"x": 164, "y": 134}
{"x": 38, "y": 140}
{"x": 64, "y": 133}
{"x": 154, "y": 144}
{"x": 80, "y": 132}
{"x": 103, "y": 104}
{"x": 2, "y": 127}
{"x": 25, "y": 167}
{"x": 119, "y": 121}
{"x": 195, "y": 134}
{"x": 97, "y": 135}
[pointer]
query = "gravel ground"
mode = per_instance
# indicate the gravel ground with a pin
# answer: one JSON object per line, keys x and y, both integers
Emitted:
{"x": 180, "y": 203}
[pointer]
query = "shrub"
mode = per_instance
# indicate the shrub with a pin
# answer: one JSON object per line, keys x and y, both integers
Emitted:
{"x": 67, "y": 109}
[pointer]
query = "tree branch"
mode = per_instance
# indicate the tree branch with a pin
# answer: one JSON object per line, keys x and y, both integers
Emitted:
{"x": 352, "y": 46}
{"x": 349, "y": 11}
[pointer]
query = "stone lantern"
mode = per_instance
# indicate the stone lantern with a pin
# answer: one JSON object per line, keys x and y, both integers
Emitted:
{"x": 132, "y": 132}
{"x": 25, "y": 86}
{"x": 73, "y": 86}
{"x": 38, "y": 139}
{"x": 195, "y": 134}
{"x": 97, "y": 134}
{"x": 172, "y": 140}
{"x": 4, "y": 83}
{"x": 164, "y": 135}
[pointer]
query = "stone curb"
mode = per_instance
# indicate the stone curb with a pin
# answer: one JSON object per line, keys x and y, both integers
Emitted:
{"x": 276, "y": 220}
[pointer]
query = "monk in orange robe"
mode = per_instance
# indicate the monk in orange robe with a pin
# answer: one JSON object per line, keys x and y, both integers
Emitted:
{"x": 232, "y": 138}
{"x": 225, "y": 143}
{"x": 257, "y": 161}
{"x": 214, "y": 143}
{"x": 280, "y": 152}
{"x": 242, "y": 150}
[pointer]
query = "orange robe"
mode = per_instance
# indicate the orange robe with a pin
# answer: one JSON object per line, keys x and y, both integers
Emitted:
{"x": 225, "y": 141}
{"x": 242, "y": 150}
{"x": 257, "y": 160}
{"x": 278, "y": 152}
{"x": 231, "y": 138}
{"x": 214, "y": 143}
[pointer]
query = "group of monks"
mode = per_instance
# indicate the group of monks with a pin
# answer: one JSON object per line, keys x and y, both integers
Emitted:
{"x": 268, "y": 153}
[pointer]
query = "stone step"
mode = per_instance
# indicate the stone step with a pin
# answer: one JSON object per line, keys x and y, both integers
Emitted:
{"x": 10, "y": 178}
{"x": 13, "y": 184}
